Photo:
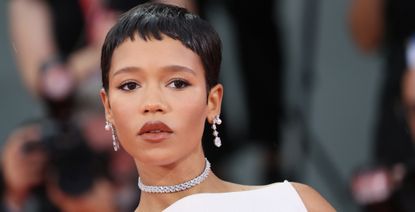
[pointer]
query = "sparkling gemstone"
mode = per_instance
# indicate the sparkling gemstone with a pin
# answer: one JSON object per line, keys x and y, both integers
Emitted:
{"x": 218, "y": 142}
{"x": 107, "y": 127}
{"x": 179, "y": 187}
{"x": 218, "y": 121}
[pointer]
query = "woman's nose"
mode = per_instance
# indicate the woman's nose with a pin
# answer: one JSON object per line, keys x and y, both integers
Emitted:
{"x": 154, "y": 102}
{"x": 153, "y": 108}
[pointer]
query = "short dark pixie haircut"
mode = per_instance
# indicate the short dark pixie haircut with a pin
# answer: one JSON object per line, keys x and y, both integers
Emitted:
{"x": 152, "y": 20}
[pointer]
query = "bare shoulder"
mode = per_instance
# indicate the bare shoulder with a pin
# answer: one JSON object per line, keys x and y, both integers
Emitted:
{"x": 313, "y": 201}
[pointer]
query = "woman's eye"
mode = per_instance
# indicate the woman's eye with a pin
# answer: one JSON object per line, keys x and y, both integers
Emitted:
{"x": 129, "y": 86}
{"x": 178, "y": 84}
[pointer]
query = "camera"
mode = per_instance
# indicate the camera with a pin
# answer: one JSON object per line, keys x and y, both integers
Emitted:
{"x": 72, "y": 165}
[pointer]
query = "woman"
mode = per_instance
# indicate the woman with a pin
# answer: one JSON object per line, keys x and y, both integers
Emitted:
{"x": 160, "y": 67}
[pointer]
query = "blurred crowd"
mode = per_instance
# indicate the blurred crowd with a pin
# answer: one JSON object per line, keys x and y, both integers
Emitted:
{"x": 64, "y": 161}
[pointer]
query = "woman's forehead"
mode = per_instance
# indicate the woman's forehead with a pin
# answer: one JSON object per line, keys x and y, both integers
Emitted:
{"x": 153, "y": 53}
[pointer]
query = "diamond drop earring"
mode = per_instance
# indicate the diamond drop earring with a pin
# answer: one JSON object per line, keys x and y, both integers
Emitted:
{"x": 115, "y": 144}
{"x": 216, "y": 121}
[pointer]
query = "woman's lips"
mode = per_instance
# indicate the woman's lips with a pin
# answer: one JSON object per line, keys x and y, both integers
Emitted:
{"x": 155, "y": 137}
{"x": 155, "y": 131}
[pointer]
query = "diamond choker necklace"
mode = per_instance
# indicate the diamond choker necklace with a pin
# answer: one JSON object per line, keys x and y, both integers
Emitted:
{"x": 178, "y": 187}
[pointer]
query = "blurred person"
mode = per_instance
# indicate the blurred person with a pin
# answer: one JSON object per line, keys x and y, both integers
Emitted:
{"x": 385, "y": 26}
{"x": 99, "y": 198}
{"x": 160, "y": 66}
{"x": 391, "y": 187}
{"x": 49, "y": 167}
{"x": 23, "y": 165}
{"x": 408, "y": 87}
{"x": 77, "y": 179}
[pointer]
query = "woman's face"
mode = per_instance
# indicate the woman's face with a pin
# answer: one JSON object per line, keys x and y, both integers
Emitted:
{"x": 157, "y": 99}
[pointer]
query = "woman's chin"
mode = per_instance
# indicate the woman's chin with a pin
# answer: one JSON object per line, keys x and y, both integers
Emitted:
{"x": 156, "y": 158}
{"x": 162, "y": 155}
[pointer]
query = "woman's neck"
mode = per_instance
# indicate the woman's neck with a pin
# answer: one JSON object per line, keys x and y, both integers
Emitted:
{"x": 159, "y": 202}
{"x": 172, "y": 174}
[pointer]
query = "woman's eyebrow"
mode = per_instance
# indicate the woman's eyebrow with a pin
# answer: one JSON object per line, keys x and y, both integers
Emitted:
{"x": 128, "y": 69}
{"x": 169, "y": 68}
{"x": 179, "y": 68}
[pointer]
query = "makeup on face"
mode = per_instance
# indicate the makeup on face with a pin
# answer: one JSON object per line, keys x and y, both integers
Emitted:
{"x": 158, "y": 99}
{"x": 155, "y": 131}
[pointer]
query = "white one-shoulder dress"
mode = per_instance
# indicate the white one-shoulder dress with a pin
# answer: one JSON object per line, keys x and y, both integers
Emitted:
{"x": 273, "y": 197}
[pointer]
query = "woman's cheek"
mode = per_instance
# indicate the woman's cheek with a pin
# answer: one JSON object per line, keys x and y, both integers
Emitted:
{"x": 194, "y": 116}
{"x": 125, "y": 115}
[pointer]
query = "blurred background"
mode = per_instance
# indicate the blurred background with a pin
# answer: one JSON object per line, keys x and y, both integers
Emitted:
{"x": 316, "y": 91}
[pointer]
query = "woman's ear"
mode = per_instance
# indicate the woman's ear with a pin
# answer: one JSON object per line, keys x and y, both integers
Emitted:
{"x": 106, "y": 104}
{"x": 214, "y": 102}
